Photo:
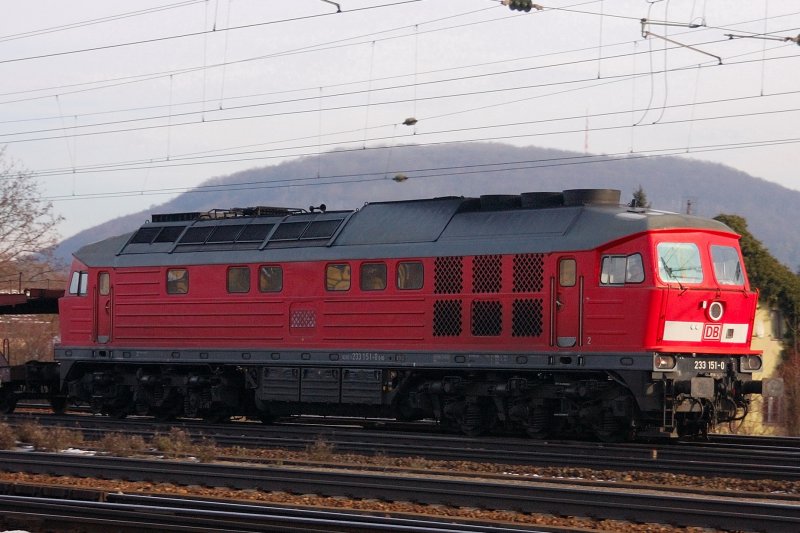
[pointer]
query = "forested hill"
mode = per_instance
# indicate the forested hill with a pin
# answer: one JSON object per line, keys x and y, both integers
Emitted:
{"x": 345, "y": 180}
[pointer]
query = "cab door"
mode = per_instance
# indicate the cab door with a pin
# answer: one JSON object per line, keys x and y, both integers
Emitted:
{"x": 103, "y": 308}
{"x": 567, "y": 304}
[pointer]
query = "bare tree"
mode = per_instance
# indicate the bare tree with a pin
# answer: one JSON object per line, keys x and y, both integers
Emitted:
{"x": 27, "y": 223}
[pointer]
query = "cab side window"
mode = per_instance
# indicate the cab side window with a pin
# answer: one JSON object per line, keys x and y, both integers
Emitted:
{"x": 621, "y": 269}
{"x": 78, "y": 283}
{"x": 177, "y": 281}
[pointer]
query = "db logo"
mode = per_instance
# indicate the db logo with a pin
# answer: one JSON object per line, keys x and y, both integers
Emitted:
{"x": 712, "y": 332}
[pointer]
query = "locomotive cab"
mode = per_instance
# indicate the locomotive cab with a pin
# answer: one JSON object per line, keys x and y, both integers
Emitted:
{"x": 703, "y": 310}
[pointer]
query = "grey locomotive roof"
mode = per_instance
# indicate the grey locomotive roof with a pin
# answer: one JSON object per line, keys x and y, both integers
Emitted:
{"x": 416, "y": 228}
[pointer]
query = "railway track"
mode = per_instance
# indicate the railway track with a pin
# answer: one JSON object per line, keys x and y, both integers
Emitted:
{"x": 723, "y": 458}
{"x": 135, "y": 513}
{"x": 685, "y": 510}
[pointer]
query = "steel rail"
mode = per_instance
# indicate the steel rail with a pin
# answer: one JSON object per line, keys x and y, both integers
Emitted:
{"x": 125, "y": 512}
{"x": 523, "y": 496}
{"x": 697, "y": 459}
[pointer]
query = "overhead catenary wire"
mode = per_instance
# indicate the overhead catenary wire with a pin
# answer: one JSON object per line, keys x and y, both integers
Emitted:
{"x": 320, "y": 109}
{"x": 149, "y": 77}
{"x": 99, "y": 20}
{"x": 326, "y": 46}
{"x": 276, "y": 142}
{"x": 198, "y": 33}
{"x": 116, "y": 82}
{"x": 377, "y": 175}
{"x": 194, "y": 160}
{"x": 7, "y": 140}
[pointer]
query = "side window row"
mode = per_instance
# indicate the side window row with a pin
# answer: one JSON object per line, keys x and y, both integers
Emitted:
{"x": 373, "y": 277}
{"x": 270, "y": 279}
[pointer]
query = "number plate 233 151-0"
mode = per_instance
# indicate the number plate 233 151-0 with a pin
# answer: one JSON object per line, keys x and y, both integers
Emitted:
{"x": 704, "y": 365}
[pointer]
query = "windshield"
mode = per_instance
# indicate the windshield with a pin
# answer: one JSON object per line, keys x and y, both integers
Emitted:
{"x": 727, "y": 268}
{"x": 679, "y": 262}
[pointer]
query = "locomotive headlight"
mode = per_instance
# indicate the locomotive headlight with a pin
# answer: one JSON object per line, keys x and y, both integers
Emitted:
{"x": 751, "y": 363}
{"x": 664, "y": 362}
{"x": 715, "y": 311}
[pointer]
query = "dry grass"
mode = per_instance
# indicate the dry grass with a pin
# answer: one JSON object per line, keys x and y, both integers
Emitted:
{"x": 59, "y": 439}
{"x": 320, "y": 450}
{"x": 29, "y": 432}
{"x": 49, "y": 439}
{"x": 176, "y": 443}
{"x": 205, "y": 450}
{"x": 122, "y": 445}
{"x": 8, "y": 437}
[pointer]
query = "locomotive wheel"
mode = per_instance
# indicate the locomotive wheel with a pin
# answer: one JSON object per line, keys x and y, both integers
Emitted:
{"x": 539, "y": 423}
{"x": 7, "y": 404}
{"x": 693, "y": 427}
{"x": 405, "y": 412}
{"x": 141, "y": 408}
{"x": 478, "y": 419}
{"x": 96, "y": 406}
{"x": 264, "y": 414}
{"x": 118, "y": 412}
{"x": 612, "y": 433}
{"x": 217, "y": 416}
{"x": 58, "y": 405}
{"x": 165, "y": 415}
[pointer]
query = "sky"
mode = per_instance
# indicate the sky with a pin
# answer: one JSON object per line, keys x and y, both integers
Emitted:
{"x": 117, "y": 106}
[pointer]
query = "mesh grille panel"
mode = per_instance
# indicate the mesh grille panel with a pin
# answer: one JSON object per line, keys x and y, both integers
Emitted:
{"x": 527, "y": 318}
{"x": 447, "y": 318}
{"x": 487, "y": 318}
{"x": 448, "y": 275}
{"x": 303, "y": 318}
{"x": 528, "y": 273}
{"x": 486, "y": 273}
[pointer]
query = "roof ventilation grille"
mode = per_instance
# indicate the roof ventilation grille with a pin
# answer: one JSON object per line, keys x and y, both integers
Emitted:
{"x": 578, "y": 197}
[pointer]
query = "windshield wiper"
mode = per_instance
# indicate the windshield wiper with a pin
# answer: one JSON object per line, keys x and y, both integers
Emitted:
{"x": 671, "y": 271}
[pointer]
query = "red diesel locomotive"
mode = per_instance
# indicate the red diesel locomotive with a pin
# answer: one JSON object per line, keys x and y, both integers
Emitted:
{"x": 552, "y": 313}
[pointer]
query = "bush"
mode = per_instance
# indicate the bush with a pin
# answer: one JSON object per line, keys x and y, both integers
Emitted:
{"x": 176, "y": 443}
{"x": 30, "y": 432}
{"x": 8, "y": 437}
{"x": 122, "y": 445}
{"x": 320, "y": 450}
{"x": 790, "y": 372}
{"x": 53, "y": 439}
{"x": 205, "y": 450}
{"x": 59, "y": 439}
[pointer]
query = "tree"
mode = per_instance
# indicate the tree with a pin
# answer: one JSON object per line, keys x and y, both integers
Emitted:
{"x": 640, "y": 198}
{"x": 27, "y": 223}
{"x": 27, "y": 235}
{"x": 779, "y": 286}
